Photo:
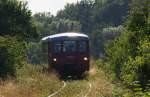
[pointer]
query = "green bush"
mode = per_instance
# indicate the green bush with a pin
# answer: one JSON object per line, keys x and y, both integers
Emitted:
{"x": 129, "y": 54}
{"x": 35, "y": 54}
{"x": 11, "y": 51}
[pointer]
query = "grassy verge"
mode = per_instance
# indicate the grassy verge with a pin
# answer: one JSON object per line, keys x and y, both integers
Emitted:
{"x": 32, "y": 81}
{"x": 102, "y": 86}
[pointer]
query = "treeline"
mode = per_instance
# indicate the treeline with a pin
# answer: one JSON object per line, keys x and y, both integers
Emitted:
{"x": 128, "y": 56}
{"x": 16, "y": 26}
{"x": 100, "y": 19}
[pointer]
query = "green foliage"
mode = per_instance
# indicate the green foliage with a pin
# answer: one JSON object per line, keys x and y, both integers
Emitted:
{"x": 94, "y": 16}
{"x": 11, "y": 52}
{"x": 110, "y": 11}
{"x": 129, "y": 54}
{"x": 16, "y": 20}
{"x": 130, "y": 69}
{"x": 100, "y": 19}
{"x": 47, "y": 24}
{"x": 43, "y": 22}
{"x": 110, "y": 33}
{"x": 35, "y": 54}
{"x": 81, "y": 11}
{"x": 65, "y": 25}
{"x": 116, "y": 53}
{"x": 16, "y": 26}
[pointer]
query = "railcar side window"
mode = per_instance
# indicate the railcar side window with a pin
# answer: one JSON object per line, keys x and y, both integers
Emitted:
{"x": 57, "y": 47}
{"x": 69, "y": 46}
{"x": 82, "y": 46}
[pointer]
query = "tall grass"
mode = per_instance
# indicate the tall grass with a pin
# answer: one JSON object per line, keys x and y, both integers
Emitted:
{"x": 34, "y": 81}
{"x": 31, "y": 81}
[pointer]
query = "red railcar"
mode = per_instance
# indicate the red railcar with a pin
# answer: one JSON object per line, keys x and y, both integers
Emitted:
{"x": 68, "y": 53}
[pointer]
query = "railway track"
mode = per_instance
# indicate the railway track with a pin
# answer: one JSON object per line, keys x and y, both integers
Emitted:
{"x": 65, "y": 84}
{"x": 55, "y": 93}
{"x": 90, "y": 88}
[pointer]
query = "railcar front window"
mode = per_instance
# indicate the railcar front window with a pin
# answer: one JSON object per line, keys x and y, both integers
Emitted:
{"x": 82, "y": 46}
{"x": 57, "y": 47}
{"x": 69, "y": 46}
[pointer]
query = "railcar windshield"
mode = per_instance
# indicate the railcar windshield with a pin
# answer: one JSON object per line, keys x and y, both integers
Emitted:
{"x": 82, "y": 46}
{"x": 69, "y": 46}
{"x": 57, "y": 47}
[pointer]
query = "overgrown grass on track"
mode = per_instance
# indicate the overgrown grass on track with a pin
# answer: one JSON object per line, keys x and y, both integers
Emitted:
{"x": 32, "y": 81}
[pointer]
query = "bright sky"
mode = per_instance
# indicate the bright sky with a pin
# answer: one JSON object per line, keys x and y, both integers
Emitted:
{"x": 48, "y": 5}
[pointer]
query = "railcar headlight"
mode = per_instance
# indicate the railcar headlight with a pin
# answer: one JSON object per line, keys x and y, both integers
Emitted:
{"x": 85, "y": 58}
{"x": 54, "y": 59}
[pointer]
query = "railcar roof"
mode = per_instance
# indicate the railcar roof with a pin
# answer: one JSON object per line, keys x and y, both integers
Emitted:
{"x": 68, "y": 34}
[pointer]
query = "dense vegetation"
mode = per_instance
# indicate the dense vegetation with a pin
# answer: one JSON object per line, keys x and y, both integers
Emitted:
{"x": 119, "y": 31}
{"x": 16, "y": 27}
{"x": 16, "y": 19}
{"x": 129, "y": 54}
{"x": 100, "y": 19}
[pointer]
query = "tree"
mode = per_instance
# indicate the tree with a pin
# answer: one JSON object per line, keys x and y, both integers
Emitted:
{"x": 129, "y": 54}
{"x": 16, "y": 26}
{"x": 94, "y": 16}
{"x": 16, "y": 20}
{"x": 47, "y": 24}
{"x": 82, "y": 11}
{"x": 11, "y": 51}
